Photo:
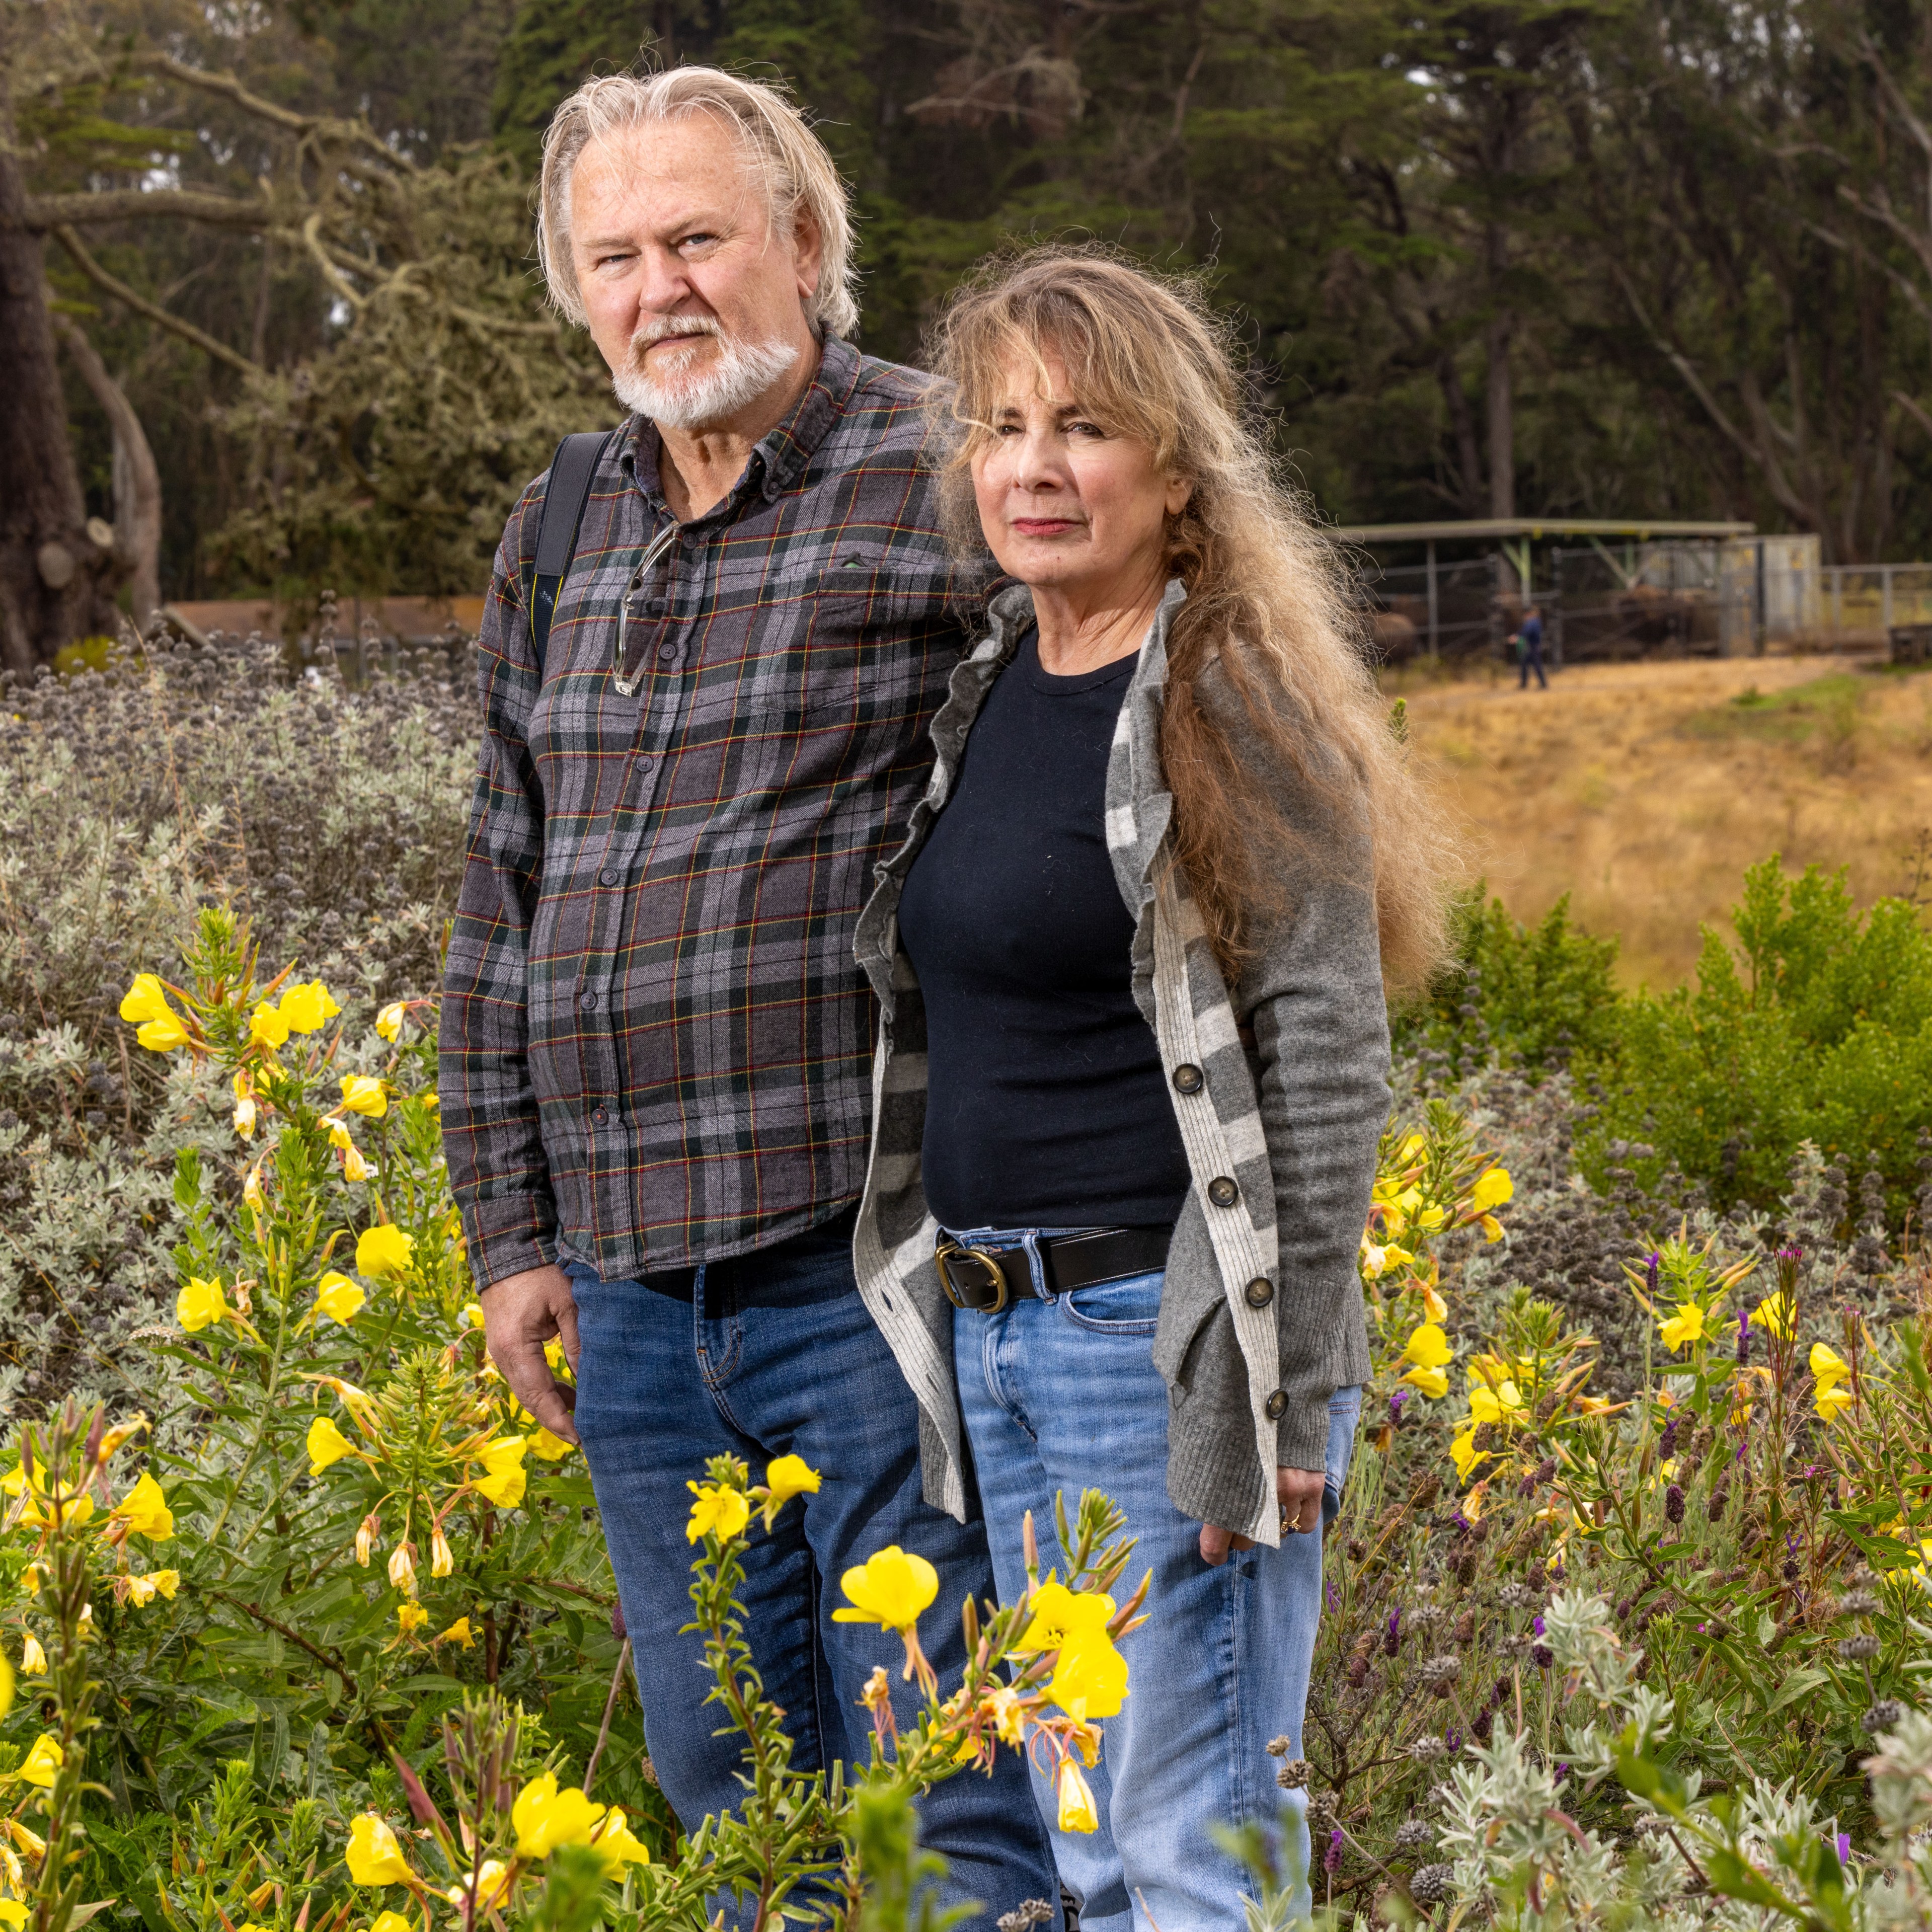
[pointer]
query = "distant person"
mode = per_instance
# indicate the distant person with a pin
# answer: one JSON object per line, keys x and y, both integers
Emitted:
{"x": 1528, "y": 642}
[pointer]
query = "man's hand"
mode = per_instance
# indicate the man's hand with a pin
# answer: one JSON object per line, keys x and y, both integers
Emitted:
{"x": 1299, "y": 1493}
{"x": 521, "y": 1313}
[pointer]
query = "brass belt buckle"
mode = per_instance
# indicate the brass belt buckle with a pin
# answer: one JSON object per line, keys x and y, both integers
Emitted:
{"x": 969, "y": 1294}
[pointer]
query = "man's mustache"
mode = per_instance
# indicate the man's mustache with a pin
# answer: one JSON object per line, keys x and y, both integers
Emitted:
{"x": 658, "y": 328}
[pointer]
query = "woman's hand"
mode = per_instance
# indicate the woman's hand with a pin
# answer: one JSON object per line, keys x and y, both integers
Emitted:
{"x": 1299, "y": 1493}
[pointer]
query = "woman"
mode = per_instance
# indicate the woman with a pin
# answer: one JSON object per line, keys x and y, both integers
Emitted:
{"x": 1132, "y": 1068}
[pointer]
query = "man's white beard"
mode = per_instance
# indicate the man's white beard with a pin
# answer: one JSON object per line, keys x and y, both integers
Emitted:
{"x": 740, "y": 373}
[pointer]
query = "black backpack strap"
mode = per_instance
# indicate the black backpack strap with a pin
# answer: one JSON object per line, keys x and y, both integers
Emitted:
{"x": 571, "y": 470}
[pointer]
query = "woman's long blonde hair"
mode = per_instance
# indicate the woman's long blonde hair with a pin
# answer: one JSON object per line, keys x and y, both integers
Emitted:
{"x": 1264, "y": 587}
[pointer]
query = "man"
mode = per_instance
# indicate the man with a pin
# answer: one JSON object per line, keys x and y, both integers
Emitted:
{"x": 1528, "y": 642}
{"x": 657, "y": 1044}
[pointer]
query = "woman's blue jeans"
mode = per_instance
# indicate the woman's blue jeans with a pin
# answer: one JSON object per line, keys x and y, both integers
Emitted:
{"x": 1064, "y": 1396}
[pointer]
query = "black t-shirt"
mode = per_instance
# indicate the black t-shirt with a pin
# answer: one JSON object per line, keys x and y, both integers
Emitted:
{"x": 1045, "y": 1104}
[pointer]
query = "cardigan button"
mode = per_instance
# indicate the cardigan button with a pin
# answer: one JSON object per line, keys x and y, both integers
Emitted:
{"x": 1260, "y": 1292}
{"x": 1189, "y": 1079}
{"x": 1222, "y": 1192}
{"x": 1276, "y": 1405}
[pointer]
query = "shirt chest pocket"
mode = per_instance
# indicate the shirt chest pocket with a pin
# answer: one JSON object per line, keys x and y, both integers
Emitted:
{"x": 837, "y": 649}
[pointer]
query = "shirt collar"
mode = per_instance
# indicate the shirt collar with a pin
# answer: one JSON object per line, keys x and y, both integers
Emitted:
{"x": 779, "y": 457}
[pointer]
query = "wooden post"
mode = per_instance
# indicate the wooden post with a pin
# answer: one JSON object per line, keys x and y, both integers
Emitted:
{"x": 1434, "y": 650}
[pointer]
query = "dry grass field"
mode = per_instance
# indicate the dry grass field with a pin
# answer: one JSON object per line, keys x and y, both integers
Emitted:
{"x": 1644, "y": 790}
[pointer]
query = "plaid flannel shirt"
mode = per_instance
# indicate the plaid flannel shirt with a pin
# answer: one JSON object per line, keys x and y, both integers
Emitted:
{"x": 656, "y": 1043}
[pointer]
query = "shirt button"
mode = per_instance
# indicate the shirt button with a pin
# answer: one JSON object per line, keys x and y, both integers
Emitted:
{"x": 1276, "y": 1405}
{"x": 646, "y": 762}
{"x": 1260, "y": 1292}
{"x": 668, "y": 652}
{"x": 606, "y": 876}
{"x": 1222, "y": 1192}
{"x": 1188, "y": 1079}
{"x": 587, "y": 1000}
{"x": 600, "y": 1116}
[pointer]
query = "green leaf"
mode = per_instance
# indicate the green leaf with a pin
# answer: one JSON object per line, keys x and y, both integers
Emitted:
{"x": 1730, "y": 1875}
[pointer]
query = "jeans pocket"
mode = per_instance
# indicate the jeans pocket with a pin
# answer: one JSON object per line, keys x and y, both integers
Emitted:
{"x": 1128, "y": 1306}
{"x": 1345, "y": 1414}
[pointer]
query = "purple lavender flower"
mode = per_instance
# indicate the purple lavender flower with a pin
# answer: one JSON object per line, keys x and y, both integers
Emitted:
{"x": 1538, "y": 1622}
{"x": 1844, "y": 1847}
{"x": 1331, "y": 1859}
{"x": 1669, "y": 1438}
{"x": 1562, "y": 1772}
{"x": 1673, "y": 1504}
{"x": 1744, "y": 1339}
{"x": 1454, "y": 1740}
{"x": 1650, "y": 1275}
{"x": 1333, "y": 1602}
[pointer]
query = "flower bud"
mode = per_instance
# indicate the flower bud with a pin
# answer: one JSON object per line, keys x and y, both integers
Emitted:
{"x": 1858, "y": 1649}
{"x": 403, "y": 1568}
{"x": 1673, "y": 1504}
{"x": 365, "y": 1538}
{"x": 441, "y": 1562}
{"x": 244, "y": 1117}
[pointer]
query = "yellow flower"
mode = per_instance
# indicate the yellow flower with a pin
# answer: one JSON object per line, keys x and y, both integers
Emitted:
{"x": 308, "y": 1008}
{"x": 390, "y": 1921}
{"x": 244, "y": 1117}
{"x": 1428, "y": 1347}
{"x": 326, "y": 1445}
{"x": 146, "y": 1512}
{"x": 156, "y": 1583}
{"x": 503, "y": 1480}
{"x": 545, "y": 1817}
{"x": 43, "y": 1763}
{"x": 1377, "y": 1262}
{"x": 200, "y": 1304}
{"x": 1433, "y": 1305}
{"x": 389, "y": 1021}
{"x": 1833, "y": 1399}
{"x": 1465, "y": 1453}
{"x": 365, "y": 1538}
{"x": 472, "y": 1314}
{"x": 1686, "y": 1325}
{"x": 251, "y": 1188}
{"x": 33, "y": 1658}
{"x": 458, "y": 1632}
{"x": 1828, "y": 1366}
{"x": 354, "y": 1167}
{"x": 891, "y": 1588}
{"x": 12, "y": 1913}
{"x": 410, "y": 1617}
{"x": 1076, "y": 1799}
{"x": 1090, "y": 1678}
{"x": 146, "y": 1006}
{"x": 1058, "y": 1615}
{"x": 1433, "y": 1383}
{"x": 338, "y": 1298}
{"x": 267, "y": 1028}
{"x": 551, "y": 1448}
{"x": 787, "y": 1477}
{"x": 720, "y": 1510}
{"x": 383, "y": 1250}
{"x": 492, "y": 1887}
{"x": 442, "y": 1558}
{"x": 1492, "y": 1229}
{"x": 402, "y": 1569}
{"x": 1492, "y": 1190}
{"x": 1500, "y": 1404}
{"x": 1773, "y": 1315}
{"x": 363, "y": 1094}
{"x": 374, "y": 1858}
{"x": 614, "y": 1840}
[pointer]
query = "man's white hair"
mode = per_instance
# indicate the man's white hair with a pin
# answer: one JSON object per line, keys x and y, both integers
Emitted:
{"x": 791, "y": 161}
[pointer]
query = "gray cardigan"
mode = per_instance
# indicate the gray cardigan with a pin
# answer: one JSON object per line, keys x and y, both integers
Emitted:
{"x": 1261, "y": 1317}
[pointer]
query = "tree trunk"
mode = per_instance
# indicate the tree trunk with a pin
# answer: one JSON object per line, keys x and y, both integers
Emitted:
{"x": 1502, "y": 399}
{"x": 51, "y": 573}
{"x": 137, "y": 482}
{"x": 44, "y": 591}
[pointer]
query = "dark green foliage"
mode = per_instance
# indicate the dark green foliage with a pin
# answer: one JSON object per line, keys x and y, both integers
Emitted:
{"x": 1534, "y": 996}
{"x": 1817, "y": 1027}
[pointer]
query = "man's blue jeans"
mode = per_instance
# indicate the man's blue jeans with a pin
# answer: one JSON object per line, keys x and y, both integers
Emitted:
{"x": 774, "y": 1353}
{"x": 1064, "y": 1396}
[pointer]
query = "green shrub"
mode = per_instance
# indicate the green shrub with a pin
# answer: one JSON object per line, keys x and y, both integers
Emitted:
{"x": 1817, "y": 1027}
{"x": 1533, "y": 996}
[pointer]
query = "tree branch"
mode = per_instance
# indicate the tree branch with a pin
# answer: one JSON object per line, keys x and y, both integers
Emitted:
{"x": 45, "y": 213}
{"x": 140, "y": 305}
{"x": 137, "y": 482}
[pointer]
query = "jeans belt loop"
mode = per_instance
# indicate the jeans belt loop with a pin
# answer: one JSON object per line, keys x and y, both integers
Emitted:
{"x": 1029, "y": 1243}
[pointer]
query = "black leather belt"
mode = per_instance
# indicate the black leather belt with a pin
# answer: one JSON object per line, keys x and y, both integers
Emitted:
{"x": 984, "y": 1281}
